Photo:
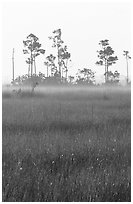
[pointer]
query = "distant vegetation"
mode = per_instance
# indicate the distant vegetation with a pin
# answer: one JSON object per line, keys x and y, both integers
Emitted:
{"x": 57, "y": 67}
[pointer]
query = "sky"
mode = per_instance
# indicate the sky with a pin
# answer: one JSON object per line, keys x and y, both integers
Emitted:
{"x": 83, "y": 25}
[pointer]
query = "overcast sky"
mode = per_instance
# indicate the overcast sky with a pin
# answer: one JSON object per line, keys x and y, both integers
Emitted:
{"x": 83, "y": 25}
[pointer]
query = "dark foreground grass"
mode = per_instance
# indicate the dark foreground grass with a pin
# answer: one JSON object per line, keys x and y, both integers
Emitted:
{"x": 67, "y": 147}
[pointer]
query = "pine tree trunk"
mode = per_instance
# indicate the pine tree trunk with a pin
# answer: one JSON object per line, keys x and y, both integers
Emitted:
{"x": 107, "y": 72}
{"x": 29, "y": 70}
{"x": 66, "y": 68}
{"x": 62, "y": 74}
{"x": 35, "y": 66}
{"x": 59, "y": 63}
{"x": 127, "y": 69}
{"x": 31, "y": 64}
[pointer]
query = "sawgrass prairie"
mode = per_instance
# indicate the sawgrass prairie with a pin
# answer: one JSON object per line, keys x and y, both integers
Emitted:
{"x": 67, "y": 144}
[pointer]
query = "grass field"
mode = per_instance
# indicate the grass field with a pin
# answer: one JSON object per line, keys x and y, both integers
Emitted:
{"x": 67, "y": 145}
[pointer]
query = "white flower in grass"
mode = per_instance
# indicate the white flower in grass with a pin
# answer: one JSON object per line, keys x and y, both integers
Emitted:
{"x": 34, "y": 163}
{"x": 61, "y": 156}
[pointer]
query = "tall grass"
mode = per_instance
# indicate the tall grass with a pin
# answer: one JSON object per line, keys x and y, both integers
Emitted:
{"x": 67, "y": 145}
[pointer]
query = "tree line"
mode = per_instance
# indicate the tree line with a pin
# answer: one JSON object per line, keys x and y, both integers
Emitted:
{"x": 57, "y": 66}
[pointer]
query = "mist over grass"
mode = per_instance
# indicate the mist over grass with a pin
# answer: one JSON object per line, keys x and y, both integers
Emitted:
{"x": 63, "y": 144}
